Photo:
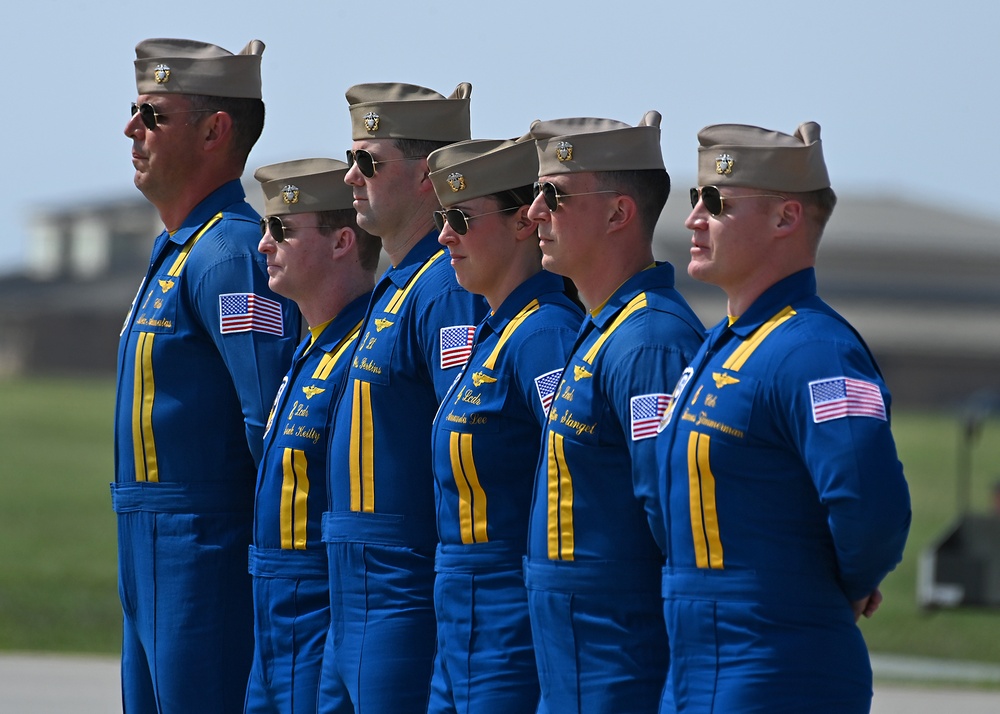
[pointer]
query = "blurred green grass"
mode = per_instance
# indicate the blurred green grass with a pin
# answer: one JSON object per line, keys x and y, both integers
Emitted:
{"x": 58, "y": 588}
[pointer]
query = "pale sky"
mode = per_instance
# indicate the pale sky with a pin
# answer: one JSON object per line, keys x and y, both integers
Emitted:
{"x": 906, "y": 93}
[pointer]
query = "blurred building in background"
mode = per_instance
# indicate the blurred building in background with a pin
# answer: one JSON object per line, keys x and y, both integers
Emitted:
{"x": 922, "y": 285}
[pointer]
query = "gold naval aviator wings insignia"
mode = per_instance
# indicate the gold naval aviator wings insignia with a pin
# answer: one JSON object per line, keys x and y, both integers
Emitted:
{"x": 382, "y": 323}
{"x": 723, "y": 378}
{"x": 479, "y": 379}
{"x": 580, "y": 373}
{"x": 165, "y": 285}
{"x": 311, "y": 391}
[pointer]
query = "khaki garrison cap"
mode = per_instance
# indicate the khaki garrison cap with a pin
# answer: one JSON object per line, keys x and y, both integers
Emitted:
{"x": 190, "y": 67}
{"x": 304, "y": 186}
{"x": 741, "y": 155}
{"x": 405, "y": 111}
{"x": 584, "y": 144}
{"x": 481, "y": 167}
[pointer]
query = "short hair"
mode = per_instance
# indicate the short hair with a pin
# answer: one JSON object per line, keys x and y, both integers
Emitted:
{"x": 819, "y": 204}
{"x": 369, "y": 246}
{"x": 413, "y": 148}
{"x": 247, "y": 115}
{"x": 649, "y": 188}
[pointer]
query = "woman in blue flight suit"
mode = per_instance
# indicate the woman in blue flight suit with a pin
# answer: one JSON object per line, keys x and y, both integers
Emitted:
{"x": 485, "y": 439}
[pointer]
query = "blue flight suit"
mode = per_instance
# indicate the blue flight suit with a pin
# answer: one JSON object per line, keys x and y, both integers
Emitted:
{"x": 593, "y": 564}
{"x": 784, "y": 502}
{"x": 201, "y": 354}
{"x": 288, "y": 559}
{"x": 485, "y": 450}
{"x": 380, "y": 531}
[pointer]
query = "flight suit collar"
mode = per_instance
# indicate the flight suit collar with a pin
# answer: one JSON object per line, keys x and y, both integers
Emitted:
{"x": 783, "y": 293}
{"x": 659, "y": 276}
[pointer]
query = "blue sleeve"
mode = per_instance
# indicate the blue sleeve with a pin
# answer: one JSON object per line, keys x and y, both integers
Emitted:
{"x": 256, "y": 360}
{"x": 851, "y": 459}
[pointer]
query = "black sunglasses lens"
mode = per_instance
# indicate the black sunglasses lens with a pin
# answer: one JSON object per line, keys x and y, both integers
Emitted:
{"x": 439, "y": 220}
{"x": 712, "y": 199}
{"x": 549, "y": 194}
{"x": 276, "y": 229}
{"x": 457, "y": 221}
{"x": 147, "y": 114}
{"x": 694, "y": 197}
{"x": 364, "y": 160}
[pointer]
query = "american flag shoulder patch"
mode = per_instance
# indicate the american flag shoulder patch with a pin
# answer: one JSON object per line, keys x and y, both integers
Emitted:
{"x": 647, "y": 410}
{"x": 842, "y": 397}
{"x": 547, "y": 384}
{"x": 456, "y": 345}
{"x": 245, "y": 312}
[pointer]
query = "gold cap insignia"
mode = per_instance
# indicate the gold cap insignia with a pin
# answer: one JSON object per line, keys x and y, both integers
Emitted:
{"x": 161, "y": 74}
{"x": 371, "y": 122}
{"x": 456, "y": 181}
{"x": 724, "y": 164}
{"x": 564, "y": 151}
{"x": 290, "y": 194}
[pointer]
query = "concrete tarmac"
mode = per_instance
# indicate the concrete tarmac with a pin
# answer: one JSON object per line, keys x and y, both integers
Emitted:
{"x": 56, "y": 684}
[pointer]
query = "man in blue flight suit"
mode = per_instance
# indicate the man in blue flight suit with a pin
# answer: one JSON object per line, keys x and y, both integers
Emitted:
{"x": 417, "y": 332}
{"x": 202, "y": 352}
{"x": 487, "y": 430}
{"x": 784, "y": 501}
{"x": 594, "y": 558}
{"x": 318, "y": 257}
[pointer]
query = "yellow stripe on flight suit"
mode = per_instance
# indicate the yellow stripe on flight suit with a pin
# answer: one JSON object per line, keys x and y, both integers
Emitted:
{"x": 362, "y": 456}
{"x": 705, "y": 528}
{"x": 471, "y": 496}
{"x": 143, "y": 384}
{"x": 561, "y": 533}
{"x": 294, "y": 499}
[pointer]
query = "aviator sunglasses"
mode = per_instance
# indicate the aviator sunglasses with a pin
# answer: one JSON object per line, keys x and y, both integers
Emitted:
{"x": 552, "y": 196}
{"x": 278, "y": 229}
{"x": 715, "y": 202}
{"x": 459, "y": 220}
{"x": 367, "y": 163}
{"x": 152, "y": 118}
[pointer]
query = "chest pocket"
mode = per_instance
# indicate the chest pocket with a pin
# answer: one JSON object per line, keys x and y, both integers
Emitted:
{"x": 376, "y": 346}
{"x": 476, "y": 405}
{"x": 577, "y": 412}
{"x": 385, "y": 330}
{"x": 721, "y": 404}
{"x": 158, "y": 310}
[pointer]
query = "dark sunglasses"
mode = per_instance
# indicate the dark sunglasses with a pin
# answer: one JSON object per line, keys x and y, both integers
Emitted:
{"x": 459, "y": 220}
{"x": 366, "y": 162}
{"x": 152, "y": 118}
{"x": 552, "y": 196}
{"x": 714, "y": 201}
{"x": 277, "y": 229}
